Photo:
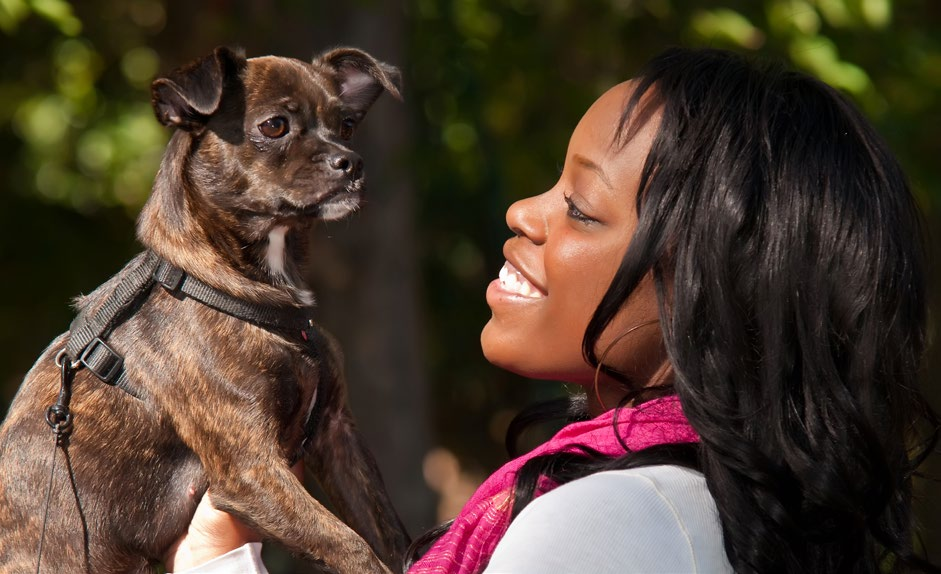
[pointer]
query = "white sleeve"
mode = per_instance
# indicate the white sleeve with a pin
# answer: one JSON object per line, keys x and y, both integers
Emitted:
{"x": 658, "y": 519}
{"x": 243, "y": 560}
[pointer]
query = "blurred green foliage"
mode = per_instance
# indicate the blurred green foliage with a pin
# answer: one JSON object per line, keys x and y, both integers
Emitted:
{"x": 82, "y": 147}
{"x": 493, "y": 90}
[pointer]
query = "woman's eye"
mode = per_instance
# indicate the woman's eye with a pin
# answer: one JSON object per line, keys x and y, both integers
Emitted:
{"x": 346, "y": 128}
{"x": 274, "y": 127}
{"x": 575, "y": 213}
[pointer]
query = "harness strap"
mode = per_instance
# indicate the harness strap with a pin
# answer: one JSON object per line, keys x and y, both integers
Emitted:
{"x": 87, "y": 344}
{"x": 87, "y": 334}
{"x": 175, "y": 280}
{"x": 133, "y": 286}
{"x": 322, "y": 392}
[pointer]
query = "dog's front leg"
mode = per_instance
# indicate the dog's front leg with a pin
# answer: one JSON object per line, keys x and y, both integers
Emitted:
{"x": 347, "y": 472}
{"x": 344, "y": 467}
{"x": 268, "y": 497}
{"x": 236, "y": 437}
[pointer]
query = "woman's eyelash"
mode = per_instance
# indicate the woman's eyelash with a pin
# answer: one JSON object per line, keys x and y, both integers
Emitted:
{"x": 575, "y": 213}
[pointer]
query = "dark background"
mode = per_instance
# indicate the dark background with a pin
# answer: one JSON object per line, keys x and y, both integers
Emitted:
{"x": 492, "y": 91}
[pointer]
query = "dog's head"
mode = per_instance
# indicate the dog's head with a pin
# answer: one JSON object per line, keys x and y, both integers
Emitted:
{"x": 261, "y": 150}
{"x": 273, "y": 133}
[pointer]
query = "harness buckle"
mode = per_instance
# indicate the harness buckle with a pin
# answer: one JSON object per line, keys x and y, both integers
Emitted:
{"x": 168, "y": 275}
{"x": 102, "y": 360}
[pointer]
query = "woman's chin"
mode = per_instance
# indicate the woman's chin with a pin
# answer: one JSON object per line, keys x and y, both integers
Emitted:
{"x": 498, "y": 351}
{"x": 490, "y": 345}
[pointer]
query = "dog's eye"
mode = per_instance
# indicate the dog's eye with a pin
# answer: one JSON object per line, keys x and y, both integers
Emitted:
{"x": 346, "y": 128}
{"x": 274, "y": 127}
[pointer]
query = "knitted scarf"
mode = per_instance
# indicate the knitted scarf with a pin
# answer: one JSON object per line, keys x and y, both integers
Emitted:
{"x": 468, "y": 544}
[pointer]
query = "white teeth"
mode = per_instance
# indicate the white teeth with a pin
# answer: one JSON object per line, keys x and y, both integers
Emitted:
{"x": 511, "y": 280}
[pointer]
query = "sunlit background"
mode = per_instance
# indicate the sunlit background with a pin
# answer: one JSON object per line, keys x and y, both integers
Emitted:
{"x": 492, "y": 91}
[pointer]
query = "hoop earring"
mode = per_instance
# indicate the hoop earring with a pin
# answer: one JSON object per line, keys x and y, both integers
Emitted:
{"x": 607, "y": 350}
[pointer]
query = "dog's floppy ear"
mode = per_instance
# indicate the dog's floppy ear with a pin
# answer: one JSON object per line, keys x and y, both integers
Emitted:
{"x": 361, "y": 77}
{"x": 187, "y": 96}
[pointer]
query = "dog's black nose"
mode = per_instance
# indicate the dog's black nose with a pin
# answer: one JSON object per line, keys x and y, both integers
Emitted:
{"x": 348, "y": 163}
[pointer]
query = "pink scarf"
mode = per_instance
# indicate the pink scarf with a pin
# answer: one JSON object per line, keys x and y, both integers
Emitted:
{"x": 467, "y": 546}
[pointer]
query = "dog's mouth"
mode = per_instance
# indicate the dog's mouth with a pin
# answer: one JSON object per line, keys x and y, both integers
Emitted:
{"x": 330, "y": 206}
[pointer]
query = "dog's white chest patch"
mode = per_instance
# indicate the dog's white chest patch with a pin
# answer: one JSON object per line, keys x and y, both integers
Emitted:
{"x": 275, "y": 253}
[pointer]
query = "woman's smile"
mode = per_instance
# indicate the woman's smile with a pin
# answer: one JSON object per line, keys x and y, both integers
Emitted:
{"x": 511, "y": 281}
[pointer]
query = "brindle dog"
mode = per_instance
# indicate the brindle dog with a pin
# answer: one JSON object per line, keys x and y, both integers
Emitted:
{"x": 259, "y": 153}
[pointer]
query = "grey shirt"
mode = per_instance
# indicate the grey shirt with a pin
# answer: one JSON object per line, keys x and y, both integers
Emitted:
{"x": 650, "y": 519}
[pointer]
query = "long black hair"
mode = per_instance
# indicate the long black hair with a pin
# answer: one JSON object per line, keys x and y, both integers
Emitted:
{"x": 789, "y": 263}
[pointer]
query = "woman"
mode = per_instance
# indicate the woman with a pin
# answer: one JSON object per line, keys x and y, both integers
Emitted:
{"x": 731, "y": 266}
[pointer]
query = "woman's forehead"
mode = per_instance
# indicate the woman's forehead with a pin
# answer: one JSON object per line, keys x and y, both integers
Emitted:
{"x": 599, "y": 135}
{"x": 605, "y": 113}
{"x": 603, "y": 120}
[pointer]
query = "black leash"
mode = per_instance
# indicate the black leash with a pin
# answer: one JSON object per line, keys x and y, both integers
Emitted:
{"x": 59, "y": 417}
{"x": 45, "y": 518}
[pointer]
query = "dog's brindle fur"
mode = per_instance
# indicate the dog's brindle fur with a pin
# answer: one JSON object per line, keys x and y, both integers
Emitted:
{"x": 223, "y": 402}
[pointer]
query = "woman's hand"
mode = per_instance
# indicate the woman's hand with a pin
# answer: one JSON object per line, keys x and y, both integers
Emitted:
{"x": 211, "y": 533}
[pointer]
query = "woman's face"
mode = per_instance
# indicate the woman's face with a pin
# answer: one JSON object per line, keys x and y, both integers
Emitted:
{"x": 567, "y": 246}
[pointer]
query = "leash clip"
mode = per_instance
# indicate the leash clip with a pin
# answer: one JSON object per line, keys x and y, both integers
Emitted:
{"x": 58, "y": 416}
{"x": 74, "y": 365}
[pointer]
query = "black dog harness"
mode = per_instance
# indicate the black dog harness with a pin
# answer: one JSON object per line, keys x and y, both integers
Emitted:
{"x": 87, "y": 346}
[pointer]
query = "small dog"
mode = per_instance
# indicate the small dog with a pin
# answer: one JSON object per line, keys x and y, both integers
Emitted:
{"x": 216, "y": 374}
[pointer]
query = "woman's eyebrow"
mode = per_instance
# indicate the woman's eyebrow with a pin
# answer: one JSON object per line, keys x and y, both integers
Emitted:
{"x": 585, "y": 162}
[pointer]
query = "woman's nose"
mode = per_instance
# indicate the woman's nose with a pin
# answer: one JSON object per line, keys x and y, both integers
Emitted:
{"x": 526, "y": 218}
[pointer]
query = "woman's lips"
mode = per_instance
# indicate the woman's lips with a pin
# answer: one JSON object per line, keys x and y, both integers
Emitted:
{"x": 512, "y": 281}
